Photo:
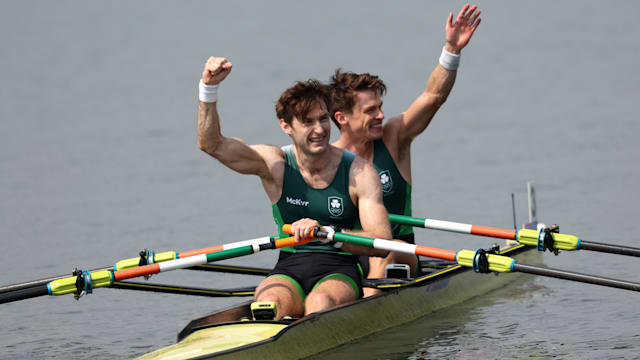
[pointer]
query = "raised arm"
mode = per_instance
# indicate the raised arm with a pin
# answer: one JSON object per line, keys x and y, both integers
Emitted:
{"x": 405, "y": 127}
{"x": 232, "y": 152}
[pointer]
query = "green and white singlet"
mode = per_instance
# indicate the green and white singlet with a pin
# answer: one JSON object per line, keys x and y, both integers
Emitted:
{"x": 329, "y": 206}
{"x": 396, "y": 190}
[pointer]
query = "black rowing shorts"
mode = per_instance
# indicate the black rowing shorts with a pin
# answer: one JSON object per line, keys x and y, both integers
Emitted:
{"x": 308, "y": 269}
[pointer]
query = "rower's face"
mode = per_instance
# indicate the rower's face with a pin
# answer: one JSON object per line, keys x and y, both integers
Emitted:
{"x": 311, "y": 134}
{"x": 367, "y": 116}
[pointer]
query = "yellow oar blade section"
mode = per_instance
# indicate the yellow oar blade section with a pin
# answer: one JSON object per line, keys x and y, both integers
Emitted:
{"x": 133, "y": 262}
{"x": 64, "y": 286}
{"x": 497, "y": 263}
{"x": 560, "y": 241}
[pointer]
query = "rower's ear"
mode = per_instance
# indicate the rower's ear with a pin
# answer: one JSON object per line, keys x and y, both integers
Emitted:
{"x": 285, "y": 127}
{"x": 341, "y": 118}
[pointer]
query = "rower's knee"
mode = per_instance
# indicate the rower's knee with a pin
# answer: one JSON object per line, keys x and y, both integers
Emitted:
{"x": 318, "y": 301}
{"x": 329, "y": 293}
{"x": 280, "y": 291}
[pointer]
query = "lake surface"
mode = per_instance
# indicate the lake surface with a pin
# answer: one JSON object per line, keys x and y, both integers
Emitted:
{"x": 98, "y": 159}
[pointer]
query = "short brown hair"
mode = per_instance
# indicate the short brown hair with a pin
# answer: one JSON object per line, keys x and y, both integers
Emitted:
{"x": 343, "y": 89}
{"x": 298, "y": 99}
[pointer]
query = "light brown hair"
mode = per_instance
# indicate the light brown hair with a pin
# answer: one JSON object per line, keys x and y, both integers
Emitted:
{"x": 343, "y": 88}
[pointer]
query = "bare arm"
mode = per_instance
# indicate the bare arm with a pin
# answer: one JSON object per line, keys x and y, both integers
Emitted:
{"x": 374, "y": 219}
{"x": 416, "y": 119}
{"x": 232, "y": 152}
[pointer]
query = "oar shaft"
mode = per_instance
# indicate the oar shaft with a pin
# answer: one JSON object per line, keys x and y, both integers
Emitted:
{"x": 523, "y": 236}
{"x": 201, "y": 259}
{"x": 259, "y": 241}
{"x": 497, "y": 263}
{"x": 22, "y": 294}
{"x": 105, "y": 278}
{"x": 156, "y": 258}
{"x": 403, "y": 247}
{"x": 173, "y": 255}
{"x": 388, "y": 245}
{"x": 36, "y": 283}
{"x": 187, "y": 262}
{"x": 182, "y": 290}
{"x": 453, "y": 226}
{"x": 569, "y": 275}
{"x": 609, "y": 248}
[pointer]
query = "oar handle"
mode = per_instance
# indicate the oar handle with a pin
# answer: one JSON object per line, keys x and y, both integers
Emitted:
{"x": 315, "y": 233}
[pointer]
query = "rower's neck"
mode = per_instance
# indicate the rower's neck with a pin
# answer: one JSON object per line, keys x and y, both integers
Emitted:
{"x": 313, "y": 163}
{"x": 360, "y": 147}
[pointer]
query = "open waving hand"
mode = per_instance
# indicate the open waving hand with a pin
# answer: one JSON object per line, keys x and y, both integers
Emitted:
{"x": 460, "y": 32}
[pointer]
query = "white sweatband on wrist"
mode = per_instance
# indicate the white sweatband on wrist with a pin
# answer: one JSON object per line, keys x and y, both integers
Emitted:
{"x": 208, "y": 93}
{"x": 448, "y": 60}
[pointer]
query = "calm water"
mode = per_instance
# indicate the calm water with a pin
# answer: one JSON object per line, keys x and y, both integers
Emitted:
{"x": 98, "y": 158}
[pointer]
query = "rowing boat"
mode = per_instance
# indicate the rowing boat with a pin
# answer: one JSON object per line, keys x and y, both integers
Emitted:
{"x": 226, "y": 334}
{"x": 231, "y": 333}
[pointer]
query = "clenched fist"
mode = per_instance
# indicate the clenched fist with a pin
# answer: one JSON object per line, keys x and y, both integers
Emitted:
{"x": 215, "y": 70}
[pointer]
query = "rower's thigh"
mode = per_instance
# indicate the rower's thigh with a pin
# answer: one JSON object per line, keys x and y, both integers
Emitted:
{"x": 283, "y": 292}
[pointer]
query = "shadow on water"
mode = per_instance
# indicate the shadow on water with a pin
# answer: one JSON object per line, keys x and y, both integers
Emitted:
{"x": 455, "y": 332}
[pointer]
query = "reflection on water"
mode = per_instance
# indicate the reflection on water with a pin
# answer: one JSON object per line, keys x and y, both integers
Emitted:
{"x": 455, "y": 332}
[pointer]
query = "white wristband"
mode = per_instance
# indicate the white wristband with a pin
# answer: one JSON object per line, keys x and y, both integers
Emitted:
{"x": 208, "y": 93}
{"x": 448, "y": 60}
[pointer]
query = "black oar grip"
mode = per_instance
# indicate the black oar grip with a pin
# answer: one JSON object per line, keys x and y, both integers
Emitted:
{"x": 318, "y": 233}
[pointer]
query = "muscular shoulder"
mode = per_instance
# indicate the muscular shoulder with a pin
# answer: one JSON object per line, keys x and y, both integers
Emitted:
{"x": 269, "y": 151}
{"x": 391, "y": 133}
{"x": 363, "y": 175}
{"x": 273, "y": 157}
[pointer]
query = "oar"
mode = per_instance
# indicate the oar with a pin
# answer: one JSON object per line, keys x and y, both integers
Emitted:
{"x": 543, "y": 239}
{"x": 182, "y": 290}
{"x": 84, "y": 281}
{"x": 150, "y": 257}
{"x": 479, "y": 260}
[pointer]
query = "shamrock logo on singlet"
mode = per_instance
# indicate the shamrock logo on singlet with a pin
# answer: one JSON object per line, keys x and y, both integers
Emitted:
{"x": 335, "y": 205}
{"x": 386, "y": 181}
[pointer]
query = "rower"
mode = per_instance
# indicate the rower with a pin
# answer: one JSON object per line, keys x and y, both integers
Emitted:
{"x": 357, "y": 112}
{"x": 309, "y": 183}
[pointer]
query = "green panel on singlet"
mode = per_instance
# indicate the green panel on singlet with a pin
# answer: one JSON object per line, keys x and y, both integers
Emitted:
{"x": 330, "y": 206}
{"x": 396, "y": 190}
